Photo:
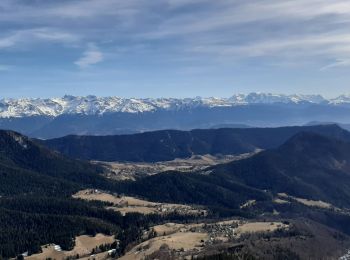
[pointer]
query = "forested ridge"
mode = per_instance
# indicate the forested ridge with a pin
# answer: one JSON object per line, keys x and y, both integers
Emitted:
{"x": 166, "y": 145}
{"x": 36, "y": 207}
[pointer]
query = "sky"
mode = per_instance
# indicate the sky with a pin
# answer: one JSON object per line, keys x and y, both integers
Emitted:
{"x": 173, "y": 48}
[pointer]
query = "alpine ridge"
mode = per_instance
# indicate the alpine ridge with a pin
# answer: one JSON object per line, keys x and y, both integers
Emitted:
{"x": 92, "y": 105}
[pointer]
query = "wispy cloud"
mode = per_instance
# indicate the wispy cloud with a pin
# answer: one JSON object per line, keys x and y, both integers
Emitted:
{"x": 5, "y": 67}
{"x": 91, "y": 56}
{"x": 337, "y": 64}
{"x": 198, "y": 29}
{"x": 8, "y": 41}
{"x": 313, "y": 44}
{"x": 52, "y": 34}
{"x": 28, "y": 36}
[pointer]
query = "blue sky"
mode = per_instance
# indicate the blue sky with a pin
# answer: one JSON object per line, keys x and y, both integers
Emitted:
{"x": 173, "y": 48}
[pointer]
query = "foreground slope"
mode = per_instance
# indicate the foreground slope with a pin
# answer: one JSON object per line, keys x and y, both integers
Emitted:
{"x": 170, "y": 144}
{"x": 37, "y": 207}
{"x": 19, "y": 154}
{"x": 34, "y": 186}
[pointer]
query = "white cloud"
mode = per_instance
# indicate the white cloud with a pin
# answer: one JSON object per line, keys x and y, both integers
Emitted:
{"x": 91, "y": 56}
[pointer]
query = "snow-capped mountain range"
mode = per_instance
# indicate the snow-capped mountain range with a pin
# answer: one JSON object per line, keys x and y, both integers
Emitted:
{"x": 92, "y": 105}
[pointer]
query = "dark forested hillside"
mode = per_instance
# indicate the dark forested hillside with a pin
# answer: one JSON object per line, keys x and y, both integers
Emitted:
{"x": 19, "y": 151}
{"x": 193, "y": 188}
{"x": 308, "y": 165}
{"x": 171, "y": 144}
{"x": 36, "y": 184}
{"x": 36, "y": 207}
{"x": 32, "y": 164}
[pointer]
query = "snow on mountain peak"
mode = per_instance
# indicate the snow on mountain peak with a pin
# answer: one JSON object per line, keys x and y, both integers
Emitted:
{"x": 269, "y": 98}
{"x": 92, "y": 105}
{"x": 341, "y": 99}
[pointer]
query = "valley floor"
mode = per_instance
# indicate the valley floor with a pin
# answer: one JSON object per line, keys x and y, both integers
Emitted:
{"x": 131, "y": 170}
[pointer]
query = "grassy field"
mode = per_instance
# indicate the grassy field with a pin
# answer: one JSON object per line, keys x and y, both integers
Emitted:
{"x": 184, "y": 240}
{"x": 311, "y": 203}
{"x": 255, "y": 227}
{"x": 126, "y": 204}
{"x": 83, "y": 247}
{"x": 180, "y": 241}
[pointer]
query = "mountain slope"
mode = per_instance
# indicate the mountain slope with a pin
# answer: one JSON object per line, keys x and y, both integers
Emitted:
{"x": 194, "y": 189}
{"x": 170, "y": 144}
{"x": 36, "y": 204}
{"x": 21, "y": 155}
{"x": 28, "y": 168}
{"x": 308, "y": 165}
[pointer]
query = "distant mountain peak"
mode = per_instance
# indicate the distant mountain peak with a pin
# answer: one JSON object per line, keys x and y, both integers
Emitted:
{"x": 270, "y": 98}
{"x": 341, "y": 99}
{"x": 93, "y": 105}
